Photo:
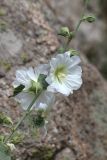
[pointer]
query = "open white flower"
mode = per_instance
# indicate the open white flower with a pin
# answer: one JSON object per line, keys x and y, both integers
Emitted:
{"x": 30, "y": 79}
{"x": 65, "y": 74}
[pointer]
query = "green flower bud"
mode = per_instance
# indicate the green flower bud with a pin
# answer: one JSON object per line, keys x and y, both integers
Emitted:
{"x": 73, "y": 52}
{"x": 64, "y": 31}
{"x": 90, "y": 18}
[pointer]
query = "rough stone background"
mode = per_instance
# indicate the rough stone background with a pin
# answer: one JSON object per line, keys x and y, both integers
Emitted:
{"x": 28, "y": 36}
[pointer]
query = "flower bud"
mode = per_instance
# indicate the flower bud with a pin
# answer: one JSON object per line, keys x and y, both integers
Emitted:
{"x": 90, "y": 18}
{"x": 73, "y": 52}
{"x": 64, "y": 31}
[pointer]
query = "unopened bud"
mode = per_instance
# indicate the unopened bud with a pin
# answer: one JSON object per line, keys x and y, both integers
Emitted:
{"x": 90, "y": 18}
{"x": 73, "y": 52}
{"x": 64, "y": 31}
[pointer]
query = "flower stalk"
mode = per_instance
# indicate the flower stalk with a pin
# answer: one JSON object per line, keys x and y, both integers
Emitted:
{"x": 77, "y": 27}
{"x": 21, "y": 120}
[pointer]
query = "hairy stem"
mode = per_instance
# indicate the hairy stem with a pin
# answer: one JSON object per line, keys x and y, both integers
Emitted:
{"x": 21, "y": 120}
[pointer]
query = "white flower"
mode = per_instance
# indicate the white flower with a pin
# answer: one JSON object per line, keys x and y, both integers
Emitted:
{"x": 29, "y": 78}
{"x": 24, "y": 76}
{"x": 65, "y": 74}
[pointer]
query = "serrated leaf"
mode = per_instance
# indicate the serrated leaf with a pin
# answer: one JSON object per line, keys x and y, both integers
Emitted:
{"x": 4, "y": 153}
{"x": 18, "y": 89}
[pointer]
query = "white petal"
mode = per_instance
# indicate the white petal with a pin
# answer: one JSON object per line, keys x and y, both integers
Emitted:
{"x": 31, "y": 74}
{"x": 45, "y": 99}
{"x": 59, "y": 87}
{"x": 22, "y": 77}
{"x": 73, "y": 82}
{"x": 42, "y": 69}
{"x": 68, "y": 53}
{"x": 42, "y": 106}
{"x": 25, "y": 99}
{"x": 75, "y": 60}
{"x": 76, "y": 70}
{"x": 49, "y": 78}
{"x": 15, "y": 84}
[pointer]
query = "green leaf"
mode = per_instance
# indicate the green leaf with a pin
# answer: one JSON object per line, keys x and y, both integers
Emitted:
{"x": 4, "y": 119}
{"x": 4, "y": 152}
{"x": 18, "y": 89}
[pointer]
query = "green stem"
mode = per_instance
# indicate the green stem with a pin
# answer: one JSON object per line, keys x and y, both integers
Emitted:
{"x": 77, "y": 27}
{"x": 67, "y": 44}
{"x": 21, "y": 120}
{"x": 82, "y": 15}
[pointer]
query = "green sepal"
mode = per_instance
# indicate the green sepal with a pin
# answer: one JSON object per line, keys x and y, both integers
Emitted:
{"x": 42, "y": 81}
{"x": 18, "y": 89}
{"x": 73, "y": 52}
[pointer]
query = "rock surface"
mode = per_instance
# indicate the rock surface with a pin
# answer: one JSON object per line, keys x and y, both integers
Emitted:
{"x": 78, "y": 124}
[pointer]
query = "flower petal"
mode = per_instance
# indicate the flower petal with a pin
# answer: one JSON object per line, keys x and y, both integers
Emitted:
{"x": 22, "y": 77}
{"x": 67, "y": 79}
{"x": 25, "y": 99}
{"x": 45, "y": 99}
{"x": 31, "y": 74}
{"x": 42, "y": 69}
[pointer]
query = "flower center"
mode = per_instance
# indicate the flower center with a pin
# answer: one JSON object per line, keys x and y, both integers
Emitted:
{"x": 60, "y": 72}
